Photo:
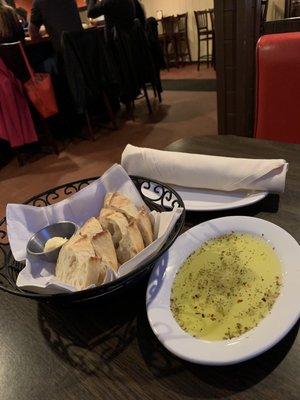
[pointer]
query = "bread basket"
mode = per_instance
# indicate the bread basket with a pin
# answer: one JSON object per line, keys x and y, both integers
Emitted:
{"x": 162, "y": 198}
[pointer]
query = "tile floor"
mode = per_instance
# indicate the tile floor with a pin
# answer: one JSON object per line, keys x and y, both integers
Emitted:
{"x": 189, "y": 71}
{"x": 182, "y": 114}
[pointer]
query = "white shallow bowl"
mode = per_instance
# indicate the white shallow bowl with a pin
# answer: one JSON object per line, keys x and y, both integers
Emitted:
{"x": 270, "y": 330}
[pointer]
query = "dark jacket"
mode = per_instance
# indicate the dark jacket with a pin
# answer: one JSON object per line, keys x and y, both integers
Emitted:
{"x": 144, "y": 63}
{"x": 156, "y": 50}
{"x": 134, "y": 61}
{"x": 140, "y": 13}
{"x": 124, "y": 58}
{"x": 89, "y": 66}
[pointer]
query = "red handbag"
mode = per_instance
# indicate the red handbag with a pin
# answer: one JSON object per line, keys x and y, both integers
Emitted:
{"x": 40, "y": 90}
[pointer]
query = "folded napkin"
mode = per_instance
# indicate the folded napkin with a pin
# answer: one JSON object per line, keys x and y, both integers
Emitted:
{"x": 207, "y": 172}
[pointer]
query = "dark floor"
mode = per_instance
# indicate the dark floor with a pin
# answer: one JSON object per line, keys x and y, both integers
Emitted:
{"x": 182, "y": 114}
{"x": 189, "y": 71}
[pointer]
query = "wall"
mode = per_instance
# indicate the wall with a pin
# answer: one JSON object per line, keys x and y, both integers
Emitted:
{"x": 275, "y": 10}
{"x": 173, "y": 7}
{"x": 81, "y": 3}
{"x": 24, "y": 4}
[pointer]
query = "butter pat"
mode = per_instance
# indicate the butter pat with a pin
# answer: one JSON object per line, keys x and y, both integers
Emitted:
{"x": 54, "y": 243}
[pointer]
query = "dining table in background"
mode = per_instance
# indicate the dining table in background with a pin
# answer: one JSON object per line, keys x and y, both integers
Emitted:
{"x": 106, "y": 350}
{"x": 46, "y": 38}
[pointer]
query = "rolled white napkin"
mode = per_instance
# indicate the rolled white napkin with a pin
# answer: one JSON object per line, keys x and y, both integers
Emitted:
{"x": 207, "y": 172}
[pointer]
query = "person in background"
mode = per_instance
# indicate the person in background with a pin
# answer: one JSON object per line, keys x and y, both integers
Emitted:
{"x": 118, "y": 13}
{"x": 57, "y": 16}
{"x": 22, "y": 14}
{"x": 11, "y": 29}
{"x": 11, "y": 3}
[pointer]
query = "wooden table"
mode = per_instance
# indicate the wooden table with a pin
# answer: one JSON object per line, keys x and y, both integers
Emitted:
{"x": 46, "y": 38}
{"x": 108, "y": 351}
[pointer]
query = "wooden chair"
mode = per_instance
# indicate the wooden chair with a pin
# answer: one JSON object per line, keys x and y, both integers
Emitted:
{"x": 212, "y": 21}
{"x": 182, "y": 37}
{"x": 169, "y": 39}
{"x": 295, "y": 8}
{"x": 264, "y": 11}
{"x": 204, "y": 34}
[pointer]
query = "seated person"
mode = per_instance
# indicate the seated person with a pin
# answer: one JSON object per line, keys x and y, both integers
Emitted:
{"x": 119, "y": 13}
{"x": 22, "y": 15}
{"x": 11, "y": 29}
{"x": 57, "y": 16}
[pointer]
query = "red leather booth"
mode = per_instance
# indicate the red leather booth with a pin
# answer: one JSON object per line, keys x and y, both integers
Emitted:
{"x": 278, "y": 87}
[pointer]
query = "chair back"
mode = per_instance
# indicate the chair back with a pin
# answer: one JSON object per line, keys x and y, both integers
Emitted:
{"x": 201, "y": 20}
{"x": 212, "y": 18}
{"x": 182, "y": 23}
{"x": 295, "y": 8}
{"x": 264, "y": 10}
{"x": 278, "y": 87}
{"x": 168, "y": 25}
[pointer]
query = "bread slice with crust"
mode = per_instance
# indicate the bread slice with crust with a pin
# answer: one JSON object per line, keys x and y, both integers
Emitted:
{"x": 90, "y": 228}
{"x": 145, "y": 226}
{"x": 78, "y": 265}
{"x": 115, "y": 222}
{"x": 131, "y": 243}
{"x": 126, "y": 235}
{"x": 104, "y": 249}
{"x": 122, "y": 204}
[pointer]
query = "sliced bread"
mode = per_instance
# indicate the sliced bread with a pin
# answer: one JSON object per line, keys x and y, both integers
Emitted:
{"x": 131, "y": 243}
{"x": 104, "y": 249}
{"x": 145, "y": 226}
{"x": 90, "y": 228}
{"x": 121, "y": 203}
{"x": 78, "y": 265}
{"x": 115, "y": 222}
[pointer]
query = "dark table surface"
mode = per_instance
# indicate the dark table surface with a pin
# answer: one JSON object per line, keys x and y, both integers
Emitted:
{"x": 108, "y": 351}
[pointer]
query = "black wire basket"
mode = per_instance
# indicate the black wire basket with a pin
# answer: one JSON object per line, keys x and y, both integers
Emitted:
{"x": 162, "y": 198}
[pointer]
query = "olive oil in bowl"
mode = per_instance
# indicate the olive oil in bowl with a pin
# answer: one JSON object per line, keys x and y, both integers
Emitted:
{"x": 226, "y": 287}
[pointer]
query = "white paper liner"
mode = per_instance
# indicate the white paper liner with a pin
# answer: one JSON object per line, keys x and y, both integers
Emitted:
{"x": 23, "y": 221}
